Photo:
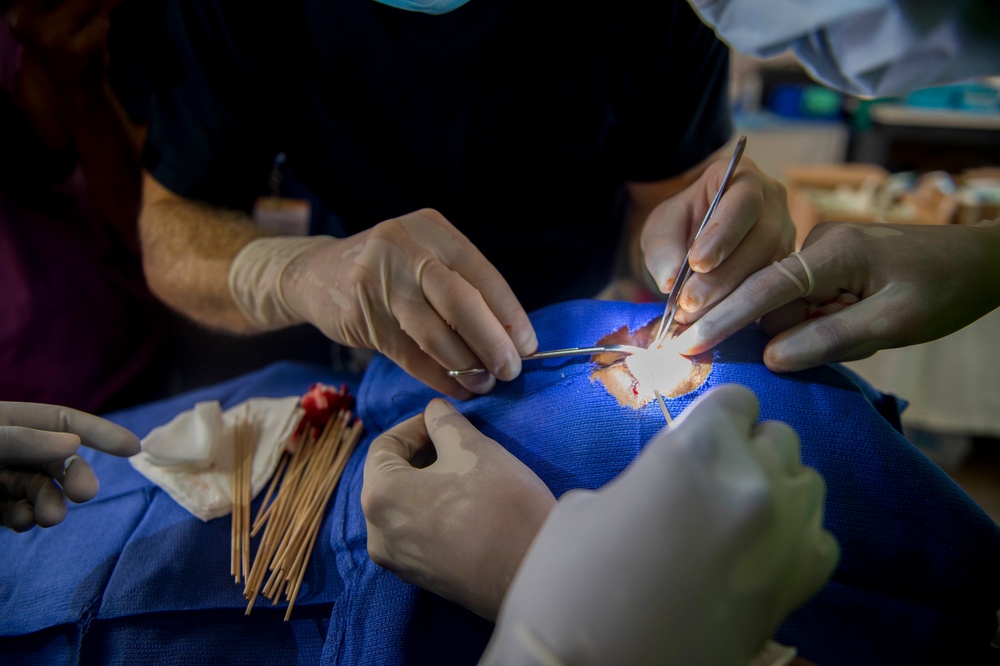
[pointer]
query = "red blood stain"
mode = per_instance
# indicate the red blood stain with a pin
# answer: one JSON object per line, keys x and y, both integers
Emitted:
{"x": 320, "y": 403}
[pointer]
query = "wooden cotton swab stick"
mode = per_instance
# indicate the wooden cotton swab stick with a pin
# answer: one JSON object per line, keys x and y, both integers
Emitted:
{"x": 304, "y": 509}
{"x": 663, "y": 407}
{"x": 240, "y": 481}
{"x": 291, "y": 513}
{"x": 341, "y": 462}
{"x": 246, "y": 483}
{"x": 265, "y": 508}
{"x": 276, "y": 524}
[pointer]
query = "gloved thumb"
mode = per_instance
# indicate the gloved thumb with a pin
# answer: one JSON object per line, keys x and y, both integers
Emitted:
{"x": 458, "y": 443}
{"x": 396, "y": 450}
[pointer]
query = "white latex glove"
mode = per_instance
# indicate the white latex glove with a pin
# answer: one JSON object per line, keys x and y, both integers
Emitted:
{"x": 750, "y": 228}
{"x": 693, "y": 555}
{"x": 38, "y": 466}
{"x": 413, "y": 288}
{"x": 460, "y": 525}
{"x": 874, "y": 286}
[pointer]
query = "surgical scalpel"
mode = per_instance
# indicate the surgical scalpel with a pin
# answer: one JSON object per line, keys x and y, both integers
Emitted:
{"x": 685, "y": 270}
{"x": 555, "y": 353}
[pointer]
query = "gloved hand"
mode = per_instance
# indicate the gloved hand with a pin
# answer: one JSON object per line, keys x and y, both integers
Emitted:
{"x": 460, "y": 525}
{"x": 413, "y": 288}
{"x": 693, "y": 555}
{"x": 38, "y": 468}
{"x": 750, "y": 228}
{"x": 874, "y": 286}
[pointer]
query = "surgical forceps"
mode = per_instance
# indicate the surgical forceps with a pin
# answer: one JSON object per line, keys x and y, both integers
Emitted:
{"x": 685, "y": 270}
{"x": 555, "y": 353}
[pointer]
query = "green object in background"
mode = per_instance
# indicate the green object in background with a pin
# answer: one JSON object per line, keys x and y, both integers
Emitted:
{"x": 820, "y": 102}
{"x": 809, "y": 102}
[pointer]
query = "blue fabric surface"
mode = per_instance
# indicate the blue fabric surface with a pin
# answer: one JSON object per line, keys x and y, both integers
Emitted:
{"x": 917, "y": 581}
{"x": 133, "y": 563}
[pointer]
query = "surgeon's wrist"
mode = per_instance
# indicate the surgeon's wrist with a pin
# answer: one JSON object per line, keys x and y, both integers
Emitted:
{"x": 258, "y": 282}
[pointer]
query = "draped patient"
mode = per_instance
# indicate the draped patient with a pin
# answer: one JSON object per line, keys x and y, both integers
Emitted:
{"x": 667, "y": 542}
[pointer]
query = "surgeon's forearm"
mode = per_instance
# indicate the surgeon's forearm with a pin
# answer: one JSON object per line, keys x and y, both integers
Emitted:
{"x": 188, "y": 248}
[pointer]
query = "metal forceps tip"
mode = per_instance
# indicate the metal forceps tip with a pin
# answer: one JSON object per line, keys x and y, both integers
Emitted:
{"x": 555, "y": 353}
{"x": 685, "y": 270}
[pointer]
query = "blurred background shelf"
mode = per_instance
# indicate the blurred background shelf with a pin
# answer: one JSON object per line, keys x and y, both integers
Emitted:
{"x": 944, "y": 142}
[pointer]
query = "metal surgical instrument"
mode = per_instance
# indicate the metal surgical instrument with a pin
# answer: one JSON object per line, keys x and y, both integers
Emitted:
{"x": 685, "y": 270}
{"x": 555, "y": 353}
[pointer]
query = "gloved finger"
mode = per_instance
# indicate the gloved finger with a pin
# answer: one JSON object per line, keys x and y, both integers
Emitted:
{"x": 737, "y": 213}
{"x": 95, "y": 432}
{"x": 466, "y": 311}
{"x": 430, "y": 346}
{"x": 457, "y": 441}
{"x": 407, "y": 354}
{"x": 47, "y": 499}
{"x": 852, "y": 333}
{"x": 825, "y": 555}
{"x": 776, "y": 445}
{"x": 14, "y": 481}
{"x": 765, "y": 290}
{"x": 818, "y": 551}
{"x": 17, "y": 515}
{"x": 31, "y": 446}
{"x": 705, "y": 290}
{"x": 729, "y": 405}
{"x": 499, "y": 298}
{"x": 387, "y": 489}
{"x": 780, "y": 284}
{"x": 794, "y": 313}
{"x": 391, "y": 452}
{"x": 76, "y": 477}
{"x": 664, "y": 242}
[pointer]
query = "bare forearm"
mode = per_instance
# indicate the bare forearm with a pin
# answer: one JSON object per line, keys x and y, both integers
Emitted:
{"x": 188, "y": 248}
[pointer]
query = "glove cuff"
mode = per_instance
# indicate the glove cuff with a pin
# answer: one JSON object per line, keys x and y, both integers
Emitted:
{"x": 255, "y": 279}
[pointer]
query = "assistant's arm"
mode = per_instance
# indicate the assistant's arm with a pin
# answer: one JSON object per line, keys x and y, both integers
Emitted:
{"x": 412, "y": 287}
{"x": 187, "y": 249}
{"x": 870, "y": 286}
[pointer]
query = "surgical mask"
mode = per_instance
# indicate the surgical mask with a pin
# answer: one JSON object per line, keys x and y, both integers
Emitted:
{"x": 866, "y": 47}
{"x": 425, "y": 6}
